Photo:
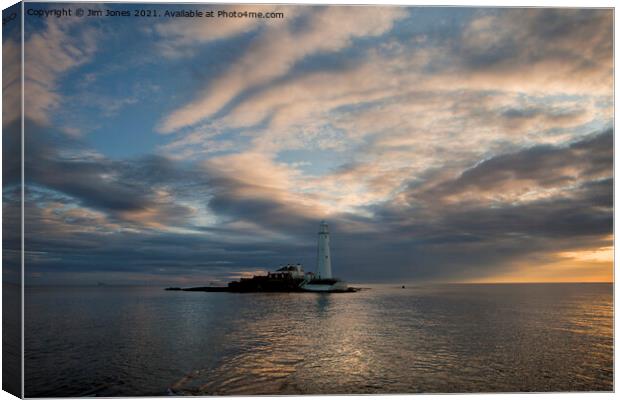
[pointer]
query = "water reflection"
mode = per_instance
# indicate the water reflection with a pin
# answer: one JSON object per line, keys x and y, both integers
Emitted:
{"x": 322, "y": 301}
{"x": 461, "y": 338}
{"x": 483, "y": 339}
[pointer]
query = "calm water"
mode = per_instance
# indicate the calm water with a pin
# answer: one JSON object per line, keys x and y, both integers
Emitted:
{"x": 113, "y": 341}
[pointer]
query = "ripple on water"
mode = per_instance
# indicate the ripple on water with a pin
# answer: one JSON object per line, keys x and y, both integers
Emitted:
{"x": 451, "y": 338}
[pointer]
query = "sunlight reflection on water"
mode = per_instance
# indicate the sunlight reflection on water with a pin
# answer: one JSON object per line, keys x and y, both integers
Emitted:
{"x": 449, "y": 338}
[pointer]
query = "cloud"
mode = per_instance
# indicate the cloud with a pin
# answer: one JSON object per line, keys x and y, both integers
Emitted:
{"x": 414, "y": 94}
{"x": 465, "y": 240}
{"x": 530, "y": 174}
{"x": 204, "y": 140}
{"x": 261, "y": 224}
{"x": 276, "y": 51}
{"x": 390, "y": 137}
{"x": 11, "y": 79}
{"x": 118, "y": 189}
{"x": 181, "y": 36}
{"x": 49, "y": 54}
{"x": 558, "y": 50}
{"x": 250, "y": 187}
{"x": 470, "y": 237}
{"x": 398, "y": 110}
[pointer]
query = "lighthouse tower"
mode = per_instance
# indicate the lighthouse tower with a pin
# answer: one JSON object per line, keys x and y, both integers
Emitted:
{"x": 324, "y": 266}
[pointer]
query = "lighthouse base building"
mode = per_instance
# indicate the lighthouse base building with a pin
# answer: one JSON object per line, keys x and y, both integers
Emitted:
{"x": 291, "y": 277}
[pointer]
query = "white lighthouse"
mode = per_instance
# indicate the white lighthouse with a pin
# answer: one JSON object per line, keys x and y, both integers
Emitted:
{"x": 324, "y": 262}
{"x": 323, "y": 281}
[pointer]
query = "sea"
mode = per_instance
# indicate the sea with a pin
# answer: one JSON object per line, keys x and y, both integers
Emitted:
{"x": 450, "y": 338}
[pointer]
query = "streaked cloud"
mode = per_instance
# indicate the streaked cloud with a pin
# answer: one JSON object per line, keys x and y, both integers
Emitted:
{"x": 274, "y": 52}
{"x": 182, "y": 36}
{"x": 50, "y": 53}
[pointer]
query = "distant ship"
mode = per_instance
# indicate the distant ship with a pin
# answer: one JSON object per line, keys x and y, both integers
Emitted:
{"x": 291, "y": 278}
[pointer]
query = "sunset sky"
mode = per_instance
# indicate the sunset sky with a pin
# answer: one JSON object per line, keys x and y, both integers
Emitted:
{"x": 440, "y": 144}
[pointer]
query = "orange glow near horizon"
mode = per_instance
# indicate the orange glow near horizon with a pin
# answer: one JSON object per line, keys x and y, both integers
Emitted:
{"x": 587, "y": 266}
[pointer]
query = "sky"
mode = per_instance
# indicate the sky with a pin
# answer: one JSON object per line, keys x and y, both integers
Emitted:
{"x": 440, "y": 144}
